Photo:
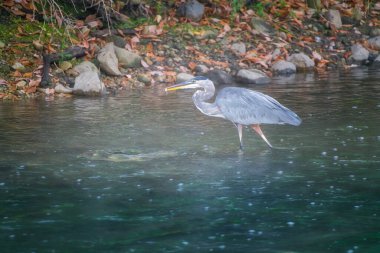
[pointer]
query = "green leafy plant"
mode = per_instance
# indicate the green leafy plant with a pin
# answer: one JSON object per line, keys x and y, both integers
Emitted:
{"x": 259, "y": 9}
{"x": 236, "y": 6}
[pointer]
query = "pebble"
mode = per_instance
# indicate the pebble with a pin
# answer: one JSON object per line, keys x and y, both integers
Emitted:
{"x": 144, "y": 79}
{"x": 18, "y": 66}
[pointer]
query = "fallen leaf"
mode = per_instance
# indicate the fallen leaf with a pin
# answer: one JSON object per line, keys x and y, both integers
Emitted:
{"x": 134, "y": 41}
{"x": 226, "y": 28}
{"x": 192, "y": 65}
{"x": 17, "y": 12}
{"x": 28, "y": 75}
{"x": 30, "y": 89}
{"x": 149, "y": 48}
{"x": 158, "y": 18}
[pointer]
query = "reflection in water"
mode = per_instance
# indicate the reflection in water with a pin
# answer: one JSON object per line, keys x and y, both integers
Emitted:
{"x": 146, "y": 171}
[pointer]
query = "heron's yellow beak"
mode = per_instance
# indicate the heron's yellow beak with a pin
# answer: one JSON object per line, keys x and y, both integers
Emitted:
{"x": 184, "y": 85}
{"x": 177, "y": 87}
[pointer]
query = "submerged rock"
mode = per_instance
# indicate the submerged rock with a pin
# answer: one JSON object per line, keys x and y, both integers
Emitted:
{"x": 301, "y": 60}
{"x": 284, "y": 68}
{"x": 108, "y": 60}
{"x": 359, "y": 53}
{"x": 252, "y": 76}
{"x": 127, "y": 156}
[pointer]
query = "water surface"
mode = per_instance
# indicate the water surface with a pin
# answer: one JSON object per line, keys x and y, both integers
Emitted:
{"x": 144, "y": 171}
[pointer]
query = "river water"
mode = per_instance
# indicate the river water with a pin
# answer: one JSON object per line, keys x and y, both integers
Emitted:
{"x": 145, "y": 171}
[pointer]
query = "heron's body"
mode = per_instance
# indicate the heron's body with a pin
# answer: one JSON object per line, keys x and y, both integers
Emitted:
{"x": 241, "y": 106}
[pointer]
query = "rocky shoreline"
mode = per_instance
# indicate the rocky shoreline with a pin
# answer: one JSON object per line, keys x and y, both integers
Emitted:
{"x": 250, "y": 52}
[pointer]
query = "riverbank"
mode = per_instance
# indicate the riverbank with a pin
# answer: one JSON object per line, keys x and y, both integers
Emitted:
{"x": 248, "y": 47}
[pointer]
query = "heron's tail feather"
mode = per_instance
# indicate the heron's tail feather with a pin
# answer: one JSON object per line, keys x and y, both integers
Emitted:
{"x": 292, "y": 118}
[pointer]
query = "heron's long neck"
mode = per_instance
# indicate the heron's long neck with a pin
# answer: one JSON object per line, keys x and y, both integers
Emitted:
{"x": 201, "y": 96}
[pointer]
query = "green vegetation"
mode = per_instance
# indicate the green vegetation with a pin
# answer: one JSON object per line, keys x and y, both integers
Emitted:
{"x": 259, "y": 9}
{"x": 133, "y": 23}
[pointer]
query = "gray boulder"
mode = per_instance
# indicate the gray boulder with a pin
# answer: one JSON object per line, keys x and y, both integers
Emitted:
{"x": 127, "y": 59}
{"x": 220, "y": 77}
{"x": 376, "y": 62}
{"x": 193, "y": 10}
{"x": 89, "y": 83}
{"x": 261, "y": 26}
{"x": 301, "y": 60}
{"x": 252, "y": 76}
{"x": 333, "y": 16}
{"x": 108, "y": 60}
{"x": 239, "y": 48}
{"x": 284, "y": 68}
{"x": 375, "y": 32}
{"x": 201, "y": 69}
{"x": 359, "y": 53}
{"x": 182, "y": 77}
{"x": 374, "y": 43}
{"x": 86, "y": 66}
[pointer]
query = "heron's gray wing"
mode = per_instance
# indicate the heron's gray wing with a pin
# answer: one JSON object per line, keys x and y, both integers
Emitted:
{"x": 246, "y": 107}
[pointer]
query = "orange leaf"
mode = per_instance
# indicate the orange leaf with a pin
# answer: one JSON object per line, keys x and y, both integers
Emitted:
{"x": 192, "y": 65}
{"x": 51, "y": 49}
{"x": 17, "y": 12}
{"x": 17, "y": 74}
{"x": 149, "y": 48}
{"x": 159, "y": 58}
{"x": 28, "y": 75}
{"x": 31, "y": 89}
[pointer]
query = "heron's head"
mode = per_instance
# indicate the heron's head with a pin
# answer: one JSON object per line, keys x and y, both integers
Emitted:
{"x": 196, "y": 82}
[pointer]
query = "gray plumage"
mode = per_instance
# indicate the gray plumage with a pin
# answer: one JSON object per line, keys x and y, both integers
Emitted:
{"x": 239, "y": 105}
{"x": 248, "y": 107}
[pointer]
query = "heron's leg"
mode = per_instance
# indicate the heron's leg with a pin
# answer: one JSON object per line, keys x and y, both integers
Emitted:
{"x": 240, "y": 130}
{"x": 259, "y": 132}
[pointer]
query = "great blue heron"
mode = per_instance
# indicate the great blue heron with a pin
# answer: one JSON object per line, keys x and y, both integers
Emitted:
{"x": 242, "y": 106}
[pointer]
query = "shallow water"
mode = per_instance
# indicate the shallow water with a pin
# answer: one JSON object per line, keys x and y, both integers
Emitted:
{"x": 147, "y": 172}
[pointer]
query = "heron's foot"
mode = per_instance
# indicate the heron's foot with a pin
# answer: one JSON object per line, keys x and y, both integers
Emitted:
{"x": 259, "y": 132}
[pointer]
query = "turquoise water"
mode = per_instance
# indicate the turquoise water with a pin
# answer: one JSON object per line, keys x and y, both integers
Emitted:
{"x": 145, "y": 171}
